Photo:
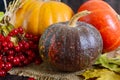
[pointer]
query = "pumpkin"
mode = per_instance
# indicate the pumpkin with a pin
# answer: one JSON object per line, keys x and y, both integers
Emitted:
{"x": 71, "y": 45}
{"x": 36, "y": 15}
{"x": 105, "y": 19}
{"x": 98, "y": 4}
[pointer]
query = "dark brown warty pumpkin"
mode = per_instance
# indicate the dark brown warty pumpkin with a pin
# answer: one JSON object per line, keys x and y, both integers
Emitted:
{"x": 71, "y": 46}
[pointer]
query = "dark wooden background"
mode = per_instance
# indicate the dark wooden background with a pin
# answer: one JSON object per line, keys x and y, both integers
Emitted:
{"x": 74, "y": 4}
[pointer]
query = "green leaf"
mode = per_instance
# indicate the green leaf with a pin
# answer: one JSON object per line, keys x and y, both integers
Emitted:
{"x": 1, "y": 15}
{"x": 105, "y": 68}
{"x": 109, "y": 63}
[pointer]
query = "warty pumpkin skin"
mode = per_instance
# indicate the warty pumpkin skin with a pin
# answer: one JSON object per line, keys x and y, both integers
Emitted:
{"x": 35, "y": 16}
{"x": 70, "y": 48}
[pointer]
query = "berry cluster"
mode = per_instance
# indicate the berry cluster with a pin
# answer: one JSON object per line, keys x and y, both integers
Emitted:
{"x": 18, "y": 49}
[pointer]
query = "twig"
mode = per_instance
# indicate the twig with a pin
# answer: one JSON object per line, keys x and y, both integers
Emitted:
{"x": 2, "y": 24}
{"x": 5, "y": 4}
{"x": 10, "y": 10}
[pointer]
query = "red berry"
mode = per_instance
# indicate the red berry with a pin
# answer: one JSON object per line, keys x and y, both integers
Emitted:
{"x": 1, "y": 38}
{"x": 21, "y": 57}
{"x": 26, "y": 45}
{"x": 27, "y": 35}
{"x": 10, "y": 34}
{"x": 8, "y": 66}
{"x": 30, "y": 53}
{"x": 30, "y": 58}
{"x": 34, "y": 46}
{"x": 2, "y": 73}
{"x": 10, "y": 58}
{"x": 26, "y": 61}
{"x": 5, "y": 43}
{"x": 0, "y": 47}
{"x": 17, "y": 48}
{"x": 1, "y": 65}
{"x": 4, "y": 58}
{"x": 15, "y": 31}
{"x": 5, "y": 49}
{"x": 7, "y": 38}
{"x": 31, "y": 42}
{"x": 10, "y": 45}
{"x": 1, "y": 57}
{"x": 11, "y": 52}
{"x": 30, "y": 36}
{"x": 20, "y": 44}
{"x": 23, "y": 42}
{"x": 16, "y": 61}
{"x": 20, "y": 30}
{"x": 36, "y": 38}
{"x": 38, "y": 61}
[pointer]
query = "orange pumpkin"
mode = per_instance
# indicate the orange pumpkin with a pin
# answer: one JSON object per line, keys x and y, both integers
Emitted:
{"x": 105, "y": 19}
{"x": 35, "y": 15}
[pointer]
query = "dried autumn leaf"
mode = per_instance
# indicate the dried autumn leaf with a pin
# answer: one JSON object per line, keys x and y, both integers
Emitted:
{"x": 101, "y": 74}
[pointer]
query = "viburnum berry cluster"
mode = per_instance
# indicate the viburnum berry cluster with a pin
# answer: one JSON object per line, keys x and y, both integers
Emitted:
{"x": 17, "y": 48}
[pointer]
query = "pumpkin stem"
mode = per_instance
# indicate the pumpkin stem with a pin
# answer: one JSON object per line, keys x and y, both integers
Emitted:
{"x": 118, "y": 16}
{"x": 74, "y": 19}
